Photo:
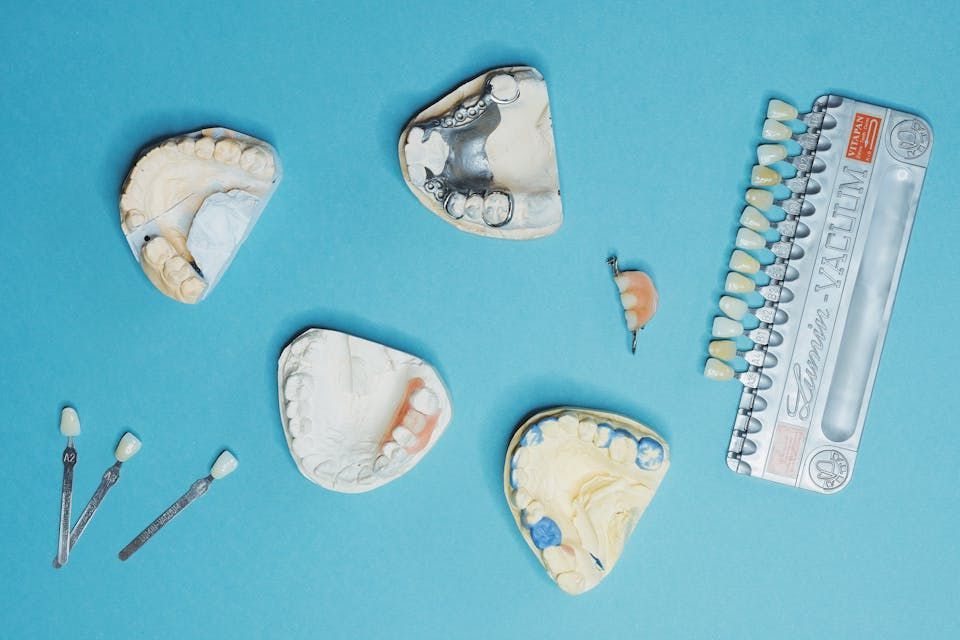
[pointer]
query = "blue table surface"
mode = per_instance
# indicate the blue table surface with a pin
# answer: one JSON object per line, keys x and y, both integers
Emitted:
{"x": 657, "y": 108}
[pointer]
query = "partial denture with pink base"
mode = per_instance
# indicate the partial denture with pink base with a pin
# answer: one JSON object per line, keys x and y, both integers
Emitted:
{"x": 637, "y": 295}
{"x": 412, "y": 425}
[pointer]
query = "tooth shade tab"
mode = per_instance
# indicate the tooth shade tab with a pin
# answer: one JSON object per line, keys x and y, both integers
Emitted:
{"x": 128, "y": 447}
{"x": 723, "y": 349}
{"x": 751, "y": 240}
{"x": 717, "y": 370}
{"x": 759, "y": 198}
{"x": 734, "y": 308}
{"x": 776, "y": 131}
{"x": 761, "y": 176}
{"x": 769, "y": 153}
{"x": 726, "y": 328}
{"x": 751, "y": 218}
{"x": 225, "y": 465}
{"x": 782, "y": 111}
{"x": 739, "y": 283}
{"x": 744, "y": 262}
{"x": 69, "y": 422}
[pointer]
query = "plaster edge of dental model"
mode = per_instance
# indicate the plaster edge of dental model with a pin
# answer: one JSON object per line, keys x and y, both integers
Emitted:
{"x": 438, "y": 416}
{"x": 654, "y": 464}
{"x": 471, "y": 89}
{"x": 189, "y": 201}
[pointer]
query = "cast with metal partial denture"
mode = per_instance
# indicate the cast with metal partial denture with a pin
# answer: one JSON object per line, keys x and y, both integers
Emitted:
{"x": 577, "y": 481}
{"x": 638, "y": 297}
{"x": 128, "y": 447}
{"x": 224, "y": 465}
{"x": 483, "y": 158}
{"x": 70, "y": 428}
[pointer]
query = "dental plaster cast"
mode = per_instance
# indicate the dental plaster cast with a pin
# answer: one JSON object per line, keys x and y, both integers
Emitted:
{"x": 483, "y": 159}
{"x": 357, "y": 414}
{"x": 188, "y": 204}
{"x": 577, "y": 482}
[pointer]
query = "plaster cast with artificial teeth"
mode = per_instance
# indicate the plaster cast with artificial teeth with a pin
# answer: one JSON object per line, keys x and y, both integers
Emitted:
{"x": 577, "y": 482}
{"x": 188, "y": 204}
{"x": 483, "y": 157}
{"x": 357, "y": 414}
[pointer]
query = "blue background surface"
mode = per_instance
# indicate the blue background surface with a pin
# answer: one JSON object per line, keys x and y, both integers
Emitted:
{"x": 657, "y": 108}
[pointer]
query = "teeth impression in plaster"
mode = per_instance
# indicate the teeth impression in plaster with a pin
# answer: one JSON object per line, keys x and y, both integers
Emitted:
{"x": 577, "y": 482}
{"x": 357, "y": 414}
{"x": 190, "y": 201}
{"x": 483, "y": 159}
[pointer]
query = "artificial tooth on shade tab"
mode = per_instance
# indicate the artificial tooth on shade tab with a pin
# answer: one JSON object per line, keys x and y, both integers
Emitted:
{"x": 717, "y": 370}
{"x": 482, "y": 158}
{"x": 577, "y": 494}
{"x": 734, "y": 308}
{"x": 759, "y": 198}
{"x": 727, "y": 351}
{"x": 744, "y": 262}
{"x": 188, "y": 204}
{"x": 761, "y": 176}
{"x": 749, "y": 239}
{"x": 776, "y": 131}
{"x": 357, "y": 414}
{"x": 769, "y": 153}
{"x": 728, "y": 328}
{"x": 780, "y": 110}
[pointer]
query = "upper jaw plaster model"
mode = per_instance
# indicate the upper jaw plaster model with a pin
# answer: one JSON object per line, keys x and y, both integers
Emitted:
{"x": 190, "y": 202}
{"x": 577, "y": 482}
{"x": 357, "y": 414}
{"x": 483, "y": 158}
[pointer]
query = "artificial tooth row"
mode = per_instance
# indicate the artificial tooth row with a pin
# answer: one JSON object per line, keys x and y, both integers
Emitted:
{"x": 756, "y": 222}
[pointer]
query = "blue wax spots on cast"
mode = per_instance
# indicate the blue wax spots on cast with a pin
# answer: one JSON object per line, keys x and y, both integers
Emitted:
{"x": 533, "y": 436}
{"x": 545, "y": 533}
{"x": 649, "y": 454}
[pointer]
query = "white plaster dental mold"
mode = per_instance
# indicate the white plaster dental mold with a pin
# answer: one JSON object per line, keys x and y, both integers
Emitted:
{"x": 577, "y": 482}
{"x": 190, "y": 201}
{"x": 483, "y": 158}
{"x": 357, "y": 414}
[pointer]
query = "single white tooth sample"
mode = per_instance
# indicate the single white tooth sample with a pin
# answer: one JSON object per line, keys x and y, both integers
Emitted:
{"x": 735, "y": 308}
{"x": 581, "y": 497}
{"x": 128, "y": 447}
{"x": 760, "y": 198}
{"x": 723, "y": 349}
{"x": 224, "y": 465}
{"x": 739, "y": 283}
{"x": 726, "y": 328}
{"x": 716, "y": 370}
{"x": 357, "y": 414}
{"x": 762, "y": 176}
{"x": 770, "y": 153}
{"x": 743, "y": 262}
{"x": 780, "y": 110}
{"x": 747, "y": 239}
{"x": 776, "y": 131}
{"x": 69, "y": 422}
{"x": 188, "y": 204}
{"x": 751, "y": 218}
{"x": 483, "y": 159}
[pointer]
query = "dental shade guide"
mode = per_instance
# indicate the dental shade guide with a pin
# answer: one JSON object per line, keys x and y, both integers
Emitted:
{"x": 858, "y": 176}
{"x": 225, "y": 464}
{"x": 128, "y": 447}
{"x": 69, "y": 427}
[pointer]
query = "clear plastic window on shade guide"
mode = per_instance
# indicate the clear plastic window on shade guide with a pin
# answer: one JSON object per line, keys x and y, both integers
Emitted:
{"x": 824, "y": 237}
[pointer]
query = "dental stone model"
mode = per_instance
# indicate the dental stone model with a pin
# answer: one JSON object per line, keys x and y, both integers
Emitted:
{"x": 483, "y": 158}
{"x": 357, "y": 414}
{"x": 190, "y": 202}
{"x": 577, "y": 482}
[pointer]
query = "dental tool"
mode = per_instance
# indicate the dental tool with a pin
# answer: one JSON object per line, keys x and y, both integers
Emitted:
{"x": 225, "y": 464}
{"x": 637, "y": 295}
{"x": 808, "y": 382}
{"x": 128, "y": 447}
{"x": 69, "y": 427}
